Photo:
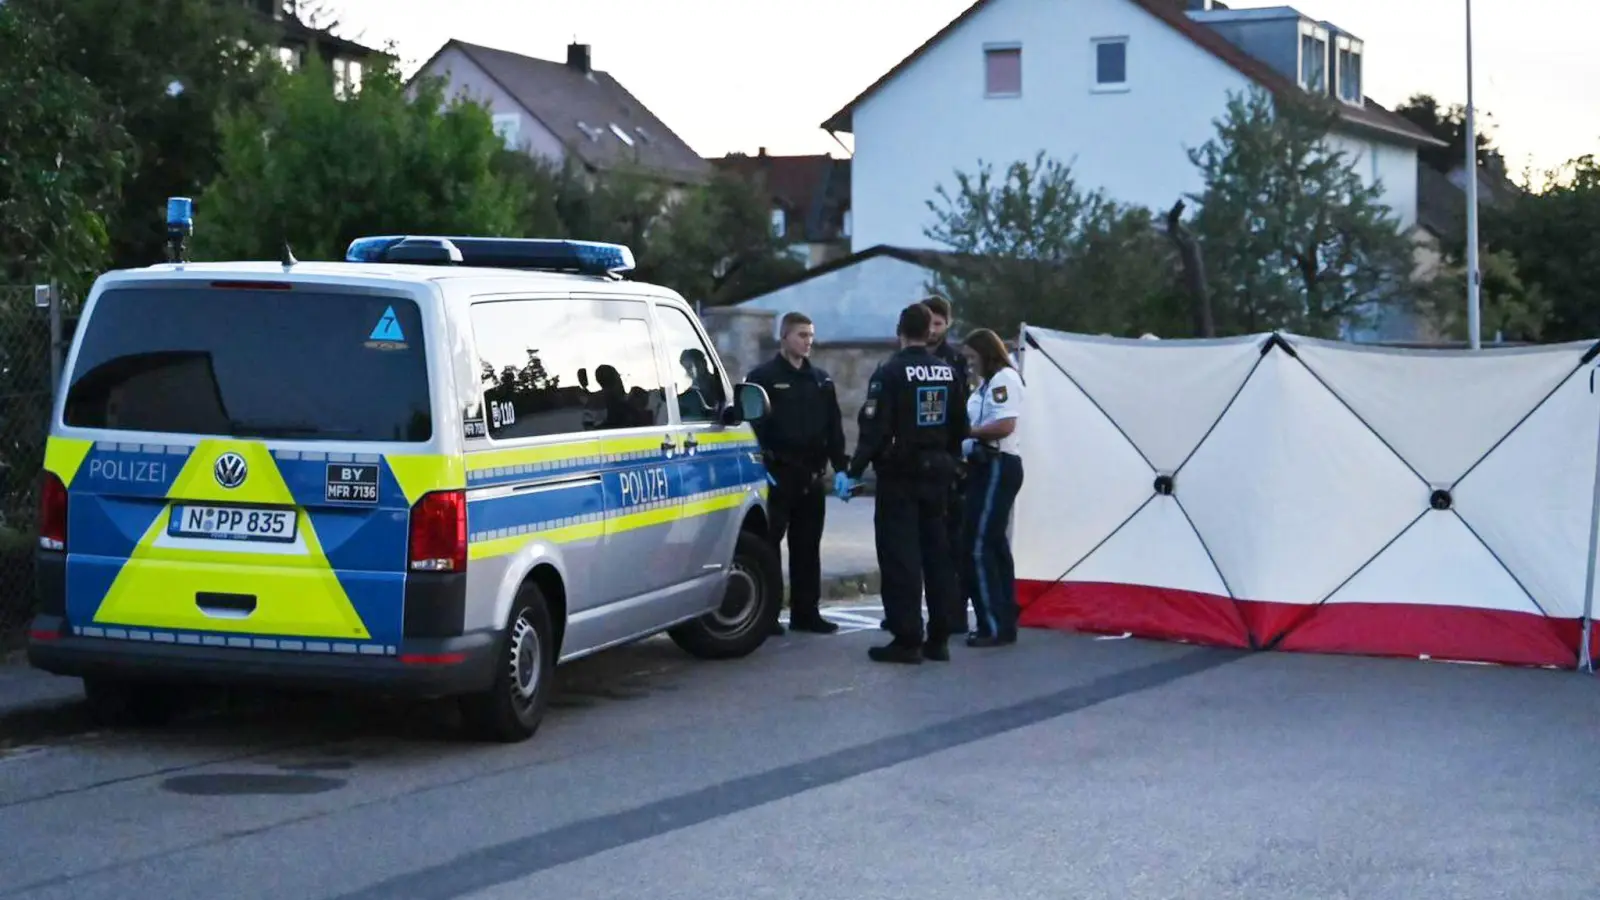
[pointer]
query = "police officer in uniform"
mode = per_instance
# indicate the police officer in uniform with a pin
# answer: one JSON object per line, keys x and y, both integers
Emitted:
{"x": 955, "y": 516}
{"x": 801, "y": 436}
{"x": 911, "y": 434}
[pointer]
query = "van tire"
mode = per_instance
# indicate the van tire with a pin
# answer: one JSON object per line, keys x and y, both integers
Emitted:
{"x": 750, "y": 603}
{"x": 115, "y": 702}
{"x": 512, "y": 709}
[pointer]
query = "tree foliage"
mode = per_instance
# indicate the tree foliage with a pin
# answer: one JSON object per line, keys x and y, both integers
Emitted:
{"x": 317, "y": 171}
{"x": 1552, "y": 237}
{"x": 1509, "y": 306}
{"x": 1449, "y": 124}
{"x": 1293, "y": 237}
{"x": 165, "y": 69}
{"x": 1032, "y": 245}
{"x": 63, "y": 151}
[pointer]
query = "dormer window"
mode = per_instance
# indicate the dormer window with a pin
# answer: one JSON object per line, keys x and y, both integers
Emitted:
{"x": 1313, "y": 57}
{"x": 1349, "y": 70}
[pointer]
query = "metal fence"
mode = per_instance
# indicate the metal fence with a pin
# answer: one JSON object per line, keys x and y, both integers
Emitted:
{"x": 35, "y": 329}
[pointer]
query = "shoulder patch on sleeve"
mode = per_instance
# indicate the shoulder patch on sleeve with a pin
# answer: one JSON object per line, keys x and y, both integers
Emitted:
{"x": 999, "y": 393}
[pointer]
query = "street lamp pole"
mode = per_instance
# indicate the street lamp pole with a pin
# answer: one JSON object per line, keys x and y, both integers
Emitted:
{"x": 1473, "y": 275}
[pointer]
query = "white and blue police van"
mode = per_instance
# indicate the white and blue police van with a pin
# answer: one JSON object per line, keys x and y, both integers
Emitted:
{"x": 441, "y": 467}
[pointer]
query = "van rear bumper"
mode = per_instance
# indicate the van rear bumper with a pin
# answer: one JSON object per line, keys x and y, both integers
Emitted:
{"x": 445, "y": 666}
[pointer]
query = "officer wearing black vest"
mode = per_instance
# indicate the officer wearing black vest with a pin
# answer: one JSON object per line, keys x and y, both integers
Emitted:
{"x": 801, "y": 436}
{"x": 911, "y": 433}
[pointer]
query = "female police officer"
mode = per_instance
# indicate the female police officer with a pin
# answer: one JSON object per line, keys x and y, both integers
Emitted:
{"x": 994, "y": 466}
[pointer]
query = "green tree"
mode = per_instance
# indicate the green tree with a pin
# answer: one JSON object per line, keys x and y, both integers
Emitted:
{"x": 317, "y": 171}
{"x": 167, "y": 68}
{"x": 63, "y": 151}
{"x": 1508, "y": 305}
{"x": 1551, "y": 235}
{"x": 1449, "y": 124}
{"x": 1293, "y": 239}
{"x": 718, "y": 246}
{"x": 1032, "y": 245}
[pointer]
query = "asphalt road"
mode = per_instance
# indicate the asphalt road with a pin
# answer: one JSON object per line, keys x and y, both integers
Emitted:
{"x": 1062, "y": 767}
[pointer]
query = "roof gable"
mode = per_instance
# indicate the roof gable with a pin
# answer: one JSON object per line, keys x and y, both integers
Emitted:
{"x": 1372, "y": 118}
{"x": 589, "y": 113}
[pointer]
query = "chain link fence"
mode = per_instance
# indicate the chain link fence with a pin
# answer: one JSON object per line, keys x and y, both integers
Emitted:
{"x": 29, "y": 363}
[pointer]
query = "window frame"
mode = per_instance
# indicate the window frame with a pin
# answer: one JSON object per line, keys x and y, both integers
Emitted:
{"x": 1002, "y": 47}
{"x": 475, "y": 399}
{"x": 662, "y": 308}
{"x": 1319, "y": 36}
{"x": 436, "y": 372}
{"x": 1109, "y": 87}
{"x": 1348, "y": 48}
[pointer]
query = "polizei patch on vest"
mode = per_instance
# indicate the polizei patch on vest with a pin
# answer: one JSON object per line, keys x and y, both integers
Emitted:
{"x": 931, "y": 406}
{"x": 930, "y": 373}
{"x": 352, "y": 483}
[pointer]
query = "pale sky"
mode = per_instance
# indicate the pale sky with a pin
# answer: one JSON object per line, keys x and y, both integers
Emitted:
{"x": 736, "y": 75}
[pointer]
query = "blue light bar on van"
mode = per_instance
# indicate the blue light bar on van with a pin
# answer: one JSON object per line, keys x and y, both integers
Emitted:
{"x": 537, "y": 254}
{"x": 180, "y": 215}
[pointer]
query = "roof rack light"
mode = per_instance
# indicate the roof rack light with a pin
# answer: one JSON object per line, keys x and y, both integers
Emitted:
{"x": 537, "y": 254}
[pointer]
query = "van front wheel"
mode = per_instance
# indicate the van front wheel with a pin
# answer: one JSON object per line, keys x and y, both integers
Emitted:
{"x": 512, "y": 709}
{"x": 750, "y": 600}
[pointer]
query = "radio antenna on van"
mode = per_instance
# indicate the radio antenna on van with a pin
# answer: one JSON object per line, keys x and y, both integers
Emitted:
{"x": 288, "y": 255}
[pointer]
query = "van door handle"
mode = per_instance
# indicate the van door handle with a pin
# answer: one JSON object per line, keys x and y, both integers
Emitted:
{"x": 690, "y": 442}
{"x": 667, "y": 445}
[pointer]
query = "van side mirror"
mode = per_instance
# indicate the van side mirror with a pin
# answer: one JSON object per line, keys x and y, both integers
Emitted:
{"x": 750, "y": 404}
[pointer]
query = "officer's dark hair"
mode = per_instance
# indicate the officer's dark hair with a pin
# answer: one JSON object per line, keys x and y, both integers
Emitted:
{"x": 990, "y": 350}
{"x": 938, "y": 305}
{"x": 792, "y": 320}
{"x": 915, "y": 322}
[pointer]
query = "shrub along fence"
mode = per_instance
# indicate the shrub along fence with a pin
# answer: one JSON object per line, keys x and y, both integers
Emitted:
{"x": 29, "y": 361}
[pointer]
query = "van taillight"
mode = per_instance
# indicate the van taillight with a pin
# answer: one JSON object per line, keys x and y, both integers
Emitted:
{"x": 52, "y": 512}
{"x": 439, "y": 533}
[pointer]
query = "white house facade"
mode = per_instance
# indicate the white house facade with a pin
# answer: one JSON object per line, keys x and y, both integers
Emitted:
{"x": 1117, "y": 88}
{"x": 858, "y": 298}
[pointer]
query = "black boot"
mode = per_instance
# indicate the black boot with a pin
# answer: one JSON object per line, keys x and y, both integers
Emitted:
{"x": 896, "y": 652}
{"x": 936, "y": 649}
{"x": 812, "y": 622}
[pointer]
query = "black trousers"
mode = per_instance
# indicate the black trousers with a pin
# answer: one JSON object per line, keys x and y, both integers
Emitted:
{"x": 797, "y": 506}
{"x": 989, "y": 572}
{"x": 909, "y": 520}
{"x": 955, "y": 528}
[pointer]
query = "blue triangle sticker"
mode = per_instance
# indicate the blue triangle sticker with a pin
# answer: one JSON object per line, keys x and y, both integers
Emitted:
{"x": 388, "y": 328}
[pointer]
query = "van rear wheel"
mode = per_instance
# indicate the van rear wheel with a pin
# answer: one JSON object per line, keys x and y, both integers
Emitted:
{"x": 749, "y": 604}
{"x": 512, "y": 709}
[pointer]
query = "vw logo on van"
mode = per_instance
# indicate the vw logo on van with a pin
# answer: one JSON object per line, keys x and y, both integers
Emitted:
{"x": 230, "y": 470}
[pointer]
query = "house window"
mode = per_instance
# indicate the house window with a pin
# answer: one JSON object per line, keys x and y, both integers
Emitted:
{"x": 1002, "y": 71}
{"x": 1313, "y": 58}
{"x": 846, "y": 231}
{"x": 1349, "y": 70}
{"x": 780, "y": 224}
{"x": 508, "y": 126}
{"x": 289, "y": 57}
{"x": 346, "y": 78}
{"x": 1110, "y": 63}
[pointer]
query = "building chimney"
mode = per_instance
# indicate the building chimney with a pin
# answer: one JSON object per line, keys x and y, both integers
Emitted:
{"x": 762, "y": 153}
{"x": 578, "y": 57}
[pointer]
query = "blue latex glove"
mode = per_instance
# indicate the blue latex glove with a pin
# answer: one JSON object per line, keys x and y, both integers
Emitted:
{"x": 967, "y": 446}
{"x": 841, "y": 485}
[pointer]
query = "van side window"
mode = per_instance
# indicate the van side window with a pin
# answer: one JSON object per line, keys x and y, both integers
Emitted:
{"x": 698, "y": 382}
{"x": 531, "y": 361}
{"x": 624, "y": 367}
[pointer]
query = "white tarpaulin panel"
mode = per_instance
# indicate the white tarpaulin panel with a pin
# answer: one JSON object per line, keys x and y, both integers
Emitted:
{"x": 1313, "y": 501}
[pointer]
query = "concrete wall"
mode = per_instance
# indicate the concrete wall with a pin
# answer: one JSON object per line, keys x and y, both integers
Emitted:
{"x": 744, "y": 339}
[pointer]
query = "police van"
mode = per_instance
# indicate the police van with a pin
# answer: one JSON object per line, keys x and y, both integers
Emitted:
{"x": 440, "y": 467}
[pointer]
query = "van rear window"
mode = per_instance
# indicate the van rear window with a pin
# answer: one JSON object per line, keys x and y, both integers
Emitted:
{"x": 248, "y": 362}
